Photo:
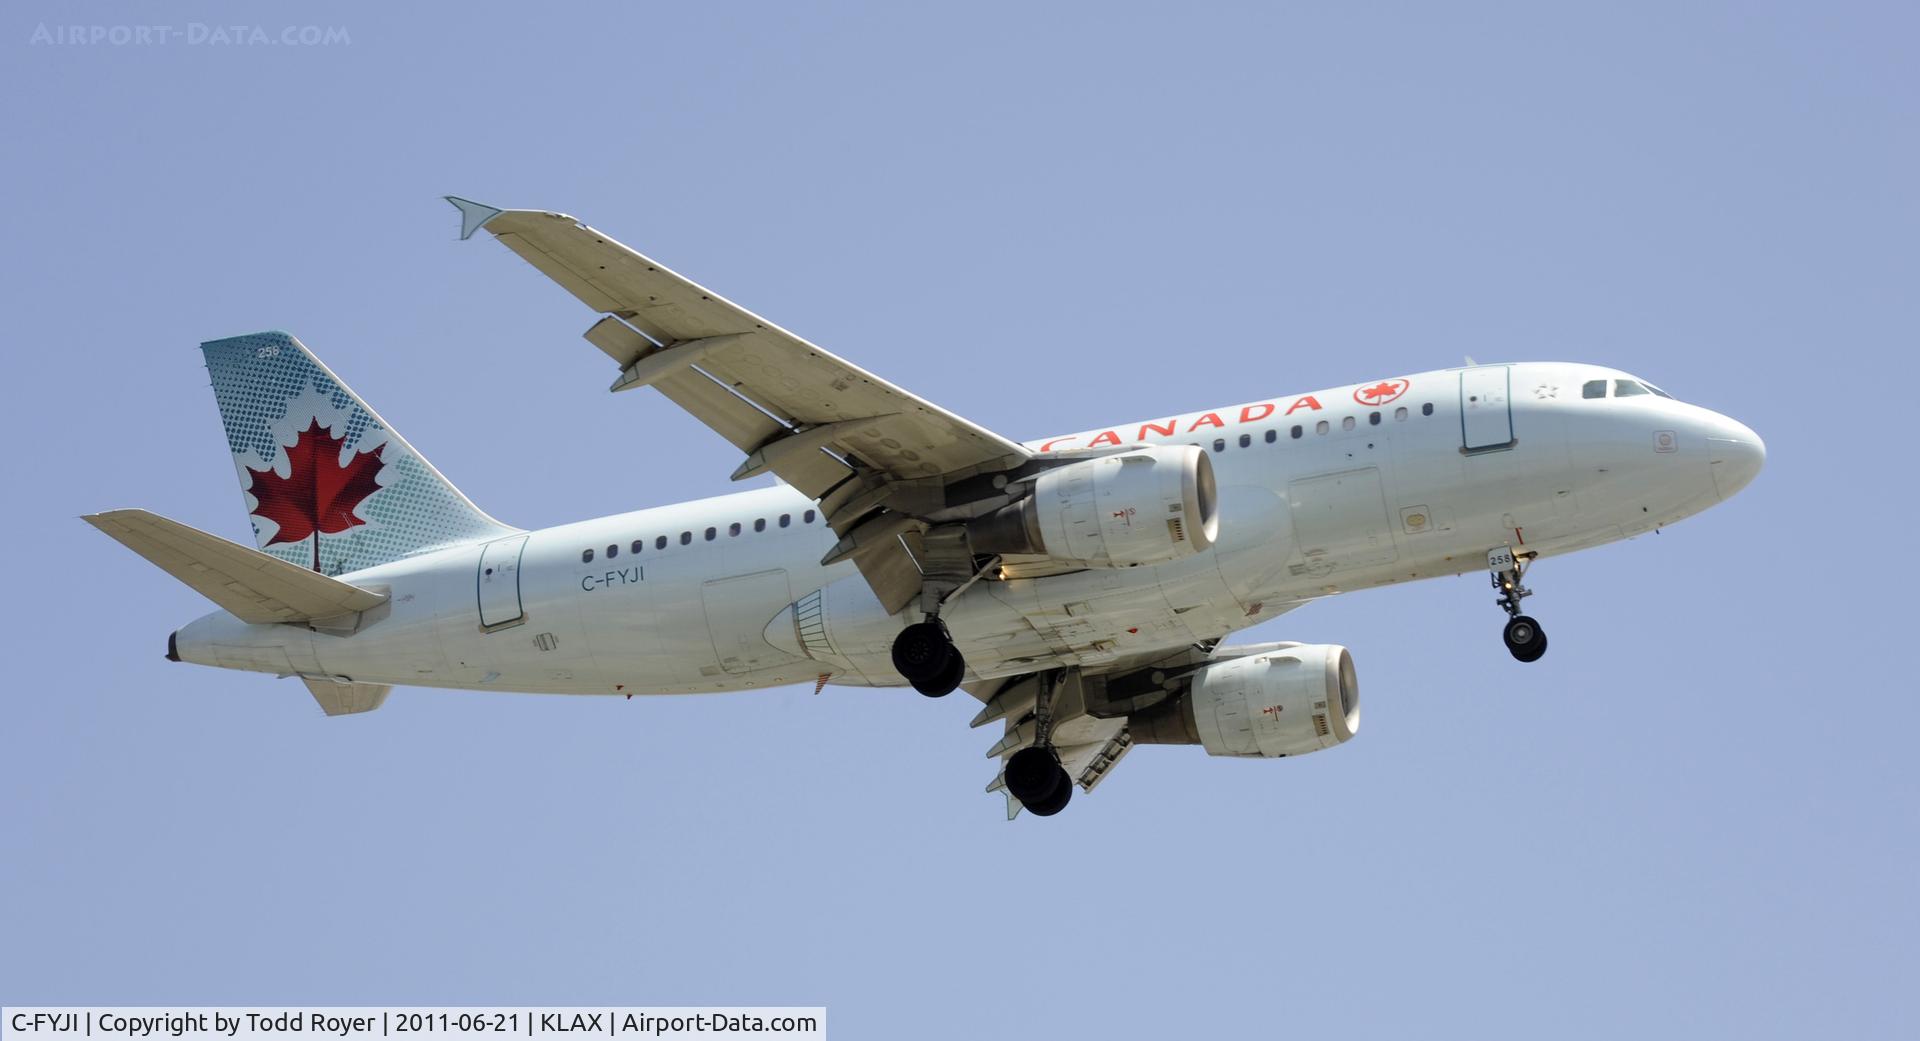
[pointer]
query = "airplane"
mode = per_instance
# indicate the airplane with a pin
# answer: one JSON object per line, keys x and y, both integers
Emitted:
{"x": 1082, "y": 587}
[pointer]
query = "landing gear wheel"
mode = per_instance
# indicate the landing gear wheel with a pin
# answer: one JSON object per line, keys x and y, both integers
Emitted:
{"x": 922, "y": 652}
{"x": 1525, "y": 638}
{"x": 1035, "y": 778}
{"x": 1056, "y": 802}
{"x": 944, "y": 684}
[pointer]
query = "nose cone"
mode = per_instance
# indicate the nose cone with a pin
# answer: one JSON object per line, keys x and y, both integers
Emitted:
{"x": 1736, "y": 454}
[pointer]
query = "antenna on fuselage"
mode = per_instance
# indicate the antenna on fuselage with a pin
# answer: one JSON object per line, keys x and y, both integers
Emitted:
{"x": 1471, "y": 364}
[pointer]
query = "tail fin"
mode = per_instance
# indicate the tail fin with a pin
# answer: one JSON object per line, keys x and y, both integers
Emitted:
{"x": 330, "y": 486}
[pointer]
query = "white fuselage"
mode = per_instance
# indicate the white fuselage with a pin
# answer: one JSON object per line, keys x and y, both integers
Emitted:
{"x": 1419, "y": 485}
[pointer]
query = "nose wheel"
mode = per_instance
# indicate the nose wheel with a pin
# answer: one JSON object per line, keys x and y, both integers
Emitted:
{"x": 1524, "y": 638}
{"x": 924, "y": 653}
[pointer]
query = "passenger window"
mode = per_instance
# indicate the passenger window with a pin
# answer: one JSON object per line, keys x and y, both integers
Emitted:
{"x": 1594, "y": 389}
{"x": 1627, "y": 389}
{"x": 1272, "y": 435}
{"x": 1297, "y": 431}
{"x": 1219, "y": 444}
{"x": 1347, "y": 423}
{"x": 1321, "y": 427}
{"x": 660, "y": 543}
{"x": 1245, "y": 440}
{"x": 711, "y": 532}
{"x": 786, "y": 519}
{"x": 807, "y": 517}
{"x": 638, "y": 545}
{"x": 586, "y": 556}
{"x": 1427, "y": 409}
{"x": 1373, "y": 419}
{"x": 613, "y": 551}
{"x": 686, "y": 538}
{"x": 759, "y": 524}
{"x": 733, "y": 530}
{"x": 1400, "y": 414}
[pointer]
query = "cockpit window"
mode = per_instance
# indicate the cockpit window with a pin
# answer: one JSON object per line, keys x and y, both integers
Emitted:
{"x": 1594, "y": 389}
{"x": 1627, "y": 388}
{"x": 1658, "y": 392}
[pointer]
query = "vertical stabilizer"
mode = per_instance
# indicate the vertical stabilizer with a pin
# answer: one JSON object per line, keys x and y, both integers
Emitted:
{"x": 327, "y": 483}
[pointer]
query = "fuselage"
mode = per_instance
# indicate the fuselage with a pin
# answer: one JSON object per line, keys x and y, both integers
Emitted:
{"x": 1320, "y": 493}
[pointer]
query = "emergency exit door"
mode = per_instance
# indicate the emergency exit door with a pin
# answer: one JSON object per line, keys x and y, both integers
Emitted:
{"x": 499, "y": 583}
{"x": 1486, "y": 411}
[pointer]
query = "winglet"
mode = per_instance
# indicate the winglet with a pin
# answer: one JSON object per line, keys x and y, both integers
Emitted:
{"x": 473, "y": 215}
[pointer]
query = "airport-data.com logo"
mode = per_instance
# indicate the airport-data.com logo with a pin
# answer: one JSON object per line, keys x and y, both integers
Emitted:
{"x": 192, "y": 34}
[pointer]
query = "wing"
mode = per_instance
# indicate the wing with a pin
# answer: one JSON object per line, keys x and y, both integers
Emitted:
{"x": 863, "y": 447}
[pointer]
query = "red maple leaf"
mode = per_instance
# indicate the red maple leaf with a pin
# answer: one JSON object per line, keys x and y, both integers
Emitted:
{"x": 319, "y": 493}
{"x": 1378, "y": 391}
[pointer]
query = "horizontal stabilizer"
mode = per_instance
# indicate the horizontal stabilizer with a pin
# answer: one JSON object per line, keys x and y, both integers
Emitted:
{"x": 251, "y": 585}
{"x": 344, "y": 699}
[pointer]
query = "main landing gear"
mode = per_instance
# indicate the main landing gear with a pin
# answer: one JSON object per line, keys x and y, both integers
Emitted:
{"x": 1036, "y": 778}
{"x": 1034, "y": 774}
{"x": 1524, "y": 638}
{"x": 924, "y": 653}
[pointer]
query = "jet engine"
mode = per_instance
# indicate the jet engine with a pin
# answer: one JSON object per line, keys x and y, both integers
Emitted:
{"x": 1283, "y": 702}
{"x": 1148, "y": 505}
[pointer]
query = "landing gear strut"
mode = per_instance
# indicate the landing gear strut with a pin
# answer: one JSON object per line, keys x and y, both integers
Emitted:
{"x": 1523, "y": 636}
{"x": 926, "y": 656}
{"x": 1034, "y": 774}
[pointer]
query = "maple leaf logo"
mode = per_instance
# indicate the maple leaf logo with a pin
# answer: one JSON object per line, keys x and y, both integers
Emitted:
{"x": 319, "y": 493}
{"x": 1381, "y": 392}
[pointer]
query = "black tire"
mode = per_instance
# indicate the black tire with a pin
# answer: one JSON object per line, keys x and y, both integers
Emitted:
{"x": 921, "y": 651}
{"x": 1056, "y": 802}
{"x": 1034, "y": 776}
{"x": 1525, "y": 639}
{"x": 944, "y": 684}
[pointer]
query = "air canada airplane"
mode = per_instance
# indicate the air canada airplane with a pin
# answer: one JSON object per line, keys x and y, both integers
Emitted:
{"x": 1081, "y": 586}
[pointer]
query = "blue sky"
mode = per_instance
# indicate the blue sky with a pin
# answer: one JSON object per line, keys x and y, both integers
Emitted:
{"x": 1695, "y": 816}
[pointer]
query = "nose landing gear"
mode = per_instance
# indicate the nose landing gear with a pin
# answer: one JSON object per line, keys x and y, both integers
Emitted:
{"x": 1524, "y": 638}
{"x": 924, "y": 653}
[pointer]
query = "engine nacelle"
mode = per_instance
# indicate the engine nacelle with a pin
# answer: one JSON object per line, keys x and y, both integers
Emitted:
{"x": 1277, "y": 703}
{"x": 1145, "y": 506}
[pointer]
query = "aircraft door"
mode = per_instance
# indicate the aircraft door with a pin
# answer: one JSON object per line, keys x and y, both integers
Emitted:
{"x": 499, "y": 583}
{"x": 1486, "y": 411}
